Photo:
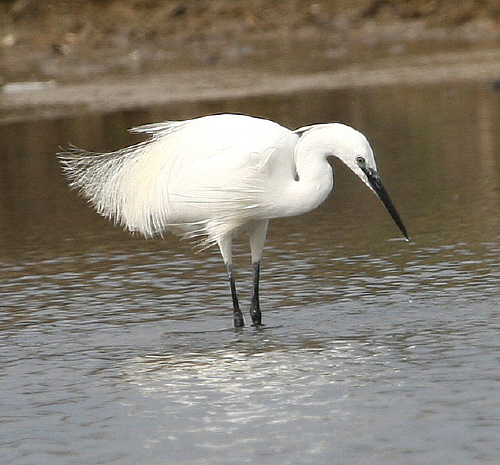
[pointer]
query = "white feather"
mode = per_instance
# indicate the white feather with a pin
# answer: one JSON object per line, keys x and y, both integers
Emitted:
{"x": 206, "y": 176}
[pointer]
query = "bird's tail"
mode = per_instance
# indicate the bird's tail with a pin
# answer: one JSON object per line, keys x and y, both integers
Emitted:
{"x": 99, "y": 178}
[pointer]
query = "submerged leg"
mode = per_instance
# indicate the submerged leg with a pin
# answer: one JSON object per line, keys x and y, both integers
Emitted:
{"x": 237, "y": 315}
{"x": 255, "y": 312}
{"x": 225, "y": 246}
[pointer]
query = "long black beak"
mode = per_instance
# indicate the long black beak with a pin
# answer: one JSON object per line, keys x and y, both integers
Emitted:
{"x": 376, "y": 183}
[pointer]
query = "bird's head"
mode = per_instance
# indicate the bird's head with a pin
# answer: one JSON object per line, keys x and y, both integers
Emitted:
{"x": 352, "y": 148}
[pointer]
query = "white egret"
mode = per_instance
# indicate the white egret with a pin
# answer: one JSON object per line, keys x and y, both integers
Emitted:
{"x": 217, "y": 176}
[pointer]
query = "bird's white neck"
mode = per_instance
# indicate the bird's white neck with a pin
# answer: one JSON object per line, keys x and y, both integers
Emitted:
{"x": 312, "y": 184}
{"x": 314, "y": 176}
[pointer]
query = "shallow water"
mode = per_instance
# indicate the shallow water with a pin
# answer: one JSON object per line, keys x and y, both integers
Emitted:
{"x": 115, "y": 349}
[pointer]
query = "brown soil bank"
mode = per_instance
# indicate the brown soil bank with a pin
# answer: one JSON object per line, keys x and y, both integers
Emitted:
{"x": 110, "y": 51}
{"x": 73, "y": 40}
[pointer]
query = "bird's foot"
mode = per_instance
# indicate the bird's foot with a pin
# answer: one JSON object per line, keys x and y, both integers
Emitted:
{"x": 239, "y": 322}
{"x": 256, "y": 315}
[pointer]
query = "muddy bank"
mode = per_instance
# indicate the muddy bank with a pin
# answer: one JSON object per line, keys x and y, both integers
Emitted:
{"x": 78, "y": 40}
{"x": 88, "y": 55}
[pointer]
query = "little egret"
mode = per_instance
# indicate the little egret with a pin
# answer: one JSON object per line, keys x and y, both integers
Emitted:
{"x": 217, "y": 176}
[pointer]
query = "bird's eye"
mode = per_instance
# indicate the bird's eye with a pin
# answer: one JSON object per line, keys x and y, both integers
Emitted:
{"x": 360, "y": 161}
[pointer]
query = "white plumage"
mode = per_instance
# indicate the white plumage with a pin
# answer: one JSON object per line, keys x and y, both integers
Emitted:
{"x": 219, "y": 175}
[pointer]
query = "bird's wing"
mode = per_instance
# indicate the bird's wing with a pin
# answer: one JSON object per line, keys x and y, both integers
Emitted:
{"x": 218, "y": 170}
{"x": 198, "y": 172}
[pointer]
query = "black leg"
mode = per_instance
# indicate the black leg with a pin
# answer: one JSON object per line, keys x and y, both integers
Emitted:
{"x": 237, "y": 315}
{"x": 255, "y": 312}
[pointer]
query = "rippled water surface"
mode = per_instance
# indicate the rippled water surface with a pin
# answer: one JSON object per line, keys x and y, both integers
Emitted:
{"x": 114, "y": 349}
